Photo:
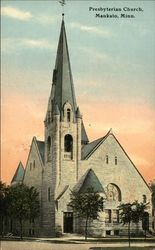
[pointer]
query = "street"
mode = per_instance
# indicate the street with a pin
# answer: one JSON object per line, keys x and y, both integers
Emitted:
{"x": 28, "y": 245}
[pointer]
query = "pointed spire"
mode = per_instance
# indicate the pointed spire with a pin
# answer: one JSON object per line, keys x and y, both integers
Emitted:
{"x": 19, "y": 174}
{"x": 62, "y": 87}
{"x": 62, "y": 75}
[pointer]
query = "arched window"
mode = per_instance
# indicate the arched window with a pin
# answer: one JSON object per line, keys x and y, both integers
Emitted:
{"x": 113, "y": 192}
{"x": 68, "y": 141}
{"x": 68, "y": 115}
{"x": 115, "y": 160}
{"x": 107, "y": 159}
{"x": 48, "y": 148}
{"x": 34, "y": 164}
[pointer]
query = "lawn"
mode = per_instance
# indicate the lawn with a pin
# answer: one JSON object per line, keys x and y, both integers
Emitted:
{"x": 121, "y": 248}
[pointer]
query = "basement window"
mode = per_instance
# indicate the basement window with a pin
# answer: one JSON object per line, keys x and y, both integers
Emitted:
{"x": 108, "y": 232}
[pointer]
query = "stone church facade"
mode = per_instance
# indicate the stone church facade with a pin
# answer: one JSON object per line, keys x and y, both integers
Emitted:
{"x": 66, "y": 161}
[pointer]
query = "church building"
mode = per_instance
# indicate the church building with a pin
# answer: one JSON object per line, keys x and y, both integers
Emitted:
{"x": 66, "y": 161}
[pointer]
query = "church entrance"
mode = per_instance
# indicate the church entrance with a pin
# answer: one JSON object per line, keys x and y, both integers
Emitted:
{"x": 68, "y": 222}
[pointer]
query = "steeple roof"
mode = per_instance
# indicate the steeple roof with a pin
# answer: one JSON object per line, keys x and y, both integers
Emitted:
{"x": 63, "y": 87}
{"x": 19, "y": 174}
{"x": 62, "y": 76}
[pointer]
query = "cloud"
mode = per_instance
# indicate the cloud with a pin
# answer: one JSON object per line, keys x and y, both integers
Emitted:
{"x": 92, "y": 29}
{"x": 26, "y": 15}
{"x": 12, "y": 44}
{"x": 15, "y": 13}
{"x": 96, "y": 55}
{"x": 45, "y": 19}
{"x": 42, "y": 43}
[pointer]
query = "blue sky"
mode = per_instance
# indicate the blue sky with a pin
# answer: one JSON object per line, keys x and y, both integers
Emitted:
{"x": 113, "y": 50}
{"x": 113, "y": 62}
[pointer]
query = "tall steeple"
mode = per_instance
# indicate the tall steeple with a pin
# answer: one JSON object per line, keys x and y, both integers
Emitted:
{"x": 62, "y": 76}
{"x": 62, "y": 83}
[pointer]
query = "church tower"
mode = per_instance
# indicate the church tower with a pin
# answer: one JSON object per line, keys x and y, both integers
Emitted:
{"x": 64, "y": 134}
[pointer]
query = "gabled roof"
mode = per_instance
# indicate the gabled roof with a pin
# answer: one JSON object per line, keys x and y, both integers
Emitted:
{"x": 88, "y": 180}
{"x": 41, "y": 147}
{"x": 62, "y": 192}
{"x": 88, "y": 148}
{"x": 19, "y": 174}
{"x": 131, "y": 162}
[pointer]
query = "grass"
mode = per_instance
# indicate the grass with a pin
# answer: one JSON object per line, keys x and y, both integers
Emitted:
{"x": 110, "y": 240}
{"x": 121, "y": 248}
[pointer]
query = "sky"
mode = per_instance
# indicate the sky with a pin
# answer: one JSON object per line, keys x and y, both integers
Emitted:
{"x": 112, "y": 60}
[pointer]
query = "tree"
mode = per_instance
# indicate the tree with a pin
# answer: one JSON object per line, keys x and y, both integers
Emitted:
{"x": 139, "y": 214}
{"x": 126, "y": 216}
{"x": 3, "y": 204}
{"x": 34, "y": 205}
{"x": 132, "y": 212}
{"x": 87, "y": 206}
{"x": 145, "y": 222}
{"x": 152, "y": 187}
{"x": 24, "y": 204}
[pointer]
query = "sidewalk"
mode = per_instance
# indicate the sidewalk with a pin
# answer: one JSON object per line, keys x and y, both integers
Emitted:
{"x": 50, "y": 245}
{"x": 81, "y": 239}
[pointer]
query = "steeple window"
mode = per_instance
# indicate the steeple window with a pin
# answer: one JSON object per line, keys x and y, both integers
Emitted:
{"x": 68, "y": 112}
{"x": 68, "y": 115}
{"x": 48, "y": 148}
